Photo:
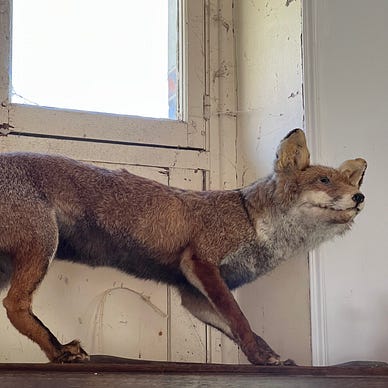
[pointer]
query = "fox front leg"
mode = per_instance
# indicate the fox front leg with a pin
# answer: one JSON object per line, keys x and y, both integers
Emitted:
{"x": 206, "y": 278}
{"x": 198, "y": 305}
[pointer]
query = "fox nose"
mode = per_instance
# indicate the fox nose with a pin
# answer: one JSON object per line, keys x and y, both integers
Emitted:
{"x": 358, "y": 198}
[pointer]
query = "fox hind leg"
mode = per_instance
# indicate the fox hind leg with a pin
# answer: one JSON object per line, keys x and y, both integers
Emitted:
{"x": 31, "y": 258}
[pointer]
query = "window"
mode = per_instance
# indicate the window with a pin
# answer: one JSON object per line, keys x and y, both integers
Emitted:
{"x": 120, "y": 71}
{"x": 87, "y": 56}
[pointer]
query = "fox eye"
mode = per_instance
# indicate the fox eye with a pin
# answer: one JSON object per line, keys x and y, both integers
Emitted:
{"x": 325, "y": 180}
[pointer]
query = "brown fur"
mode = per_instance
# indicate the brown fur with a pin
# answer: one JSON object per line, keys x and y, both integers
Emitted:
{"x": 204, "y": 243}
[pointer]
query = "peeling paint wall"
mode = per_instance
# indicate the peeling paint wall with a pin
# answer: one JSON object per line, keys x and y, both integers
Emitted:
{"x": 269, "y": 77}
{"x": 269, "y": 80}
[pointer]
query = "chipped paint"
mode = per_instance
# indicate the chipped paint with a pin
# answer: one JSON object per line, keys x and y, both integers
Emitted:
{"x": 293, "y": 95}
{"x": 288, "y": 2}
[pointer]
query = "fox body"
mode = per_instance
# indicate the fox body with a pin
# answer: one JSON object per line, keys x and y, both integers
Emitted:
{"x": 204, "y": 243}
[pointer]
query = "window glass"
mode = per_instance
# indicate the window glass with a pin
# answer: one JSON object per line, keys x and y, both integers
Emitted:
{"x": 117, "y": 56}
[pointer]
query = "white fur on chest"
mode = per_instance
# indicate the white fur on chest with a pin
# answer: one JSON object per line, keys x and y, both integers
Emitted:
{"x": 293, "y": 233}
{"x": 278, "y": 238}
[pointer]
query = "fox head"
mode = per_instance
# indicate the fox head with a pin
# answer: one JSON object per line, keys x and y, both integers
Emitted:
{"x": 318, "y": 193}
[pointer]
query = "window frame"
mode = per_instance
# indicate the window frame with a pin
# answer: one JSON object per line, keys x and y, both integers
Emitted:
{"x": 189, "y": 131}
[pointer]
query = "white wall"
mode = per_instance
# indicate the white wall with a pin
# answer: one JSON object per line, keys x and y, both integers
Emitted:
{"x": 269, "y": 76}
{"x": 347, "y": 64}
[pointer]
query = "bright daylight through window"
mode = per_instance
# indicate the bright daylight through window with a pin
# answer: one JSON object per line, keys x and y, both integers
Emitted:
{"x": 117, "y": 56}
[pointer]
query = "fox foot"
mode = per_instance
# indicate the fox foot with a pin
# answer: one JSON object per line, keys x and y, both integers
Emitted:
{"x": 275, "y": 361}
{"x": 288, "y": 362}
{"x": 71, "y": 353}
{"x": 260, "y": 358}
{"x": 260, "y": 353}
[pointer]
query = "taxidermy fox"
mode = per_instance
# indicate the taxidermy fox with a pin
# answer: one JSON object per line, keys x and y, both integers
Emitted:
{"x": 204, "y": 243}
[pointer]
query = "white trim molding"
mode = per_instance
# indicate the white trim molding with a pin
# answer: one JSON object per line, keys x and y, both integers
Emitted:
{"x": 319, "y": 341}
{"x": 310, "y": 75}
{"x": 318, "y": 310}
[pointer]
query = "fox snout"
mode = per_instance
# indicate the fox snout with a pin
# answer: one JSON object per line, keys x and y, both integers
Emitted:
{"x": 358, "y": 198}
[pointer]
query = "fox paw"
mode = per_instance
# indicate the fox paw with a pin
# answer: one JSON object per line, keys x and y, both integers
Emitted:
{"x": 259, "y": 356}
{"x": 275, "y": 361}
{"x": 71, "y": 353}
{"x": 265, "y": 356}
{"x": 260, "y": 353}
{"x": 289, "y": 362}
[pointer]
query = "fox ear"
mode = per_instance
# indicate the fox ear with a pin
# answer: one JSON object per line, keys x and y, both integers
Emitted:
{"x": 354, "y": 169}
{"x": 292, "y": 153}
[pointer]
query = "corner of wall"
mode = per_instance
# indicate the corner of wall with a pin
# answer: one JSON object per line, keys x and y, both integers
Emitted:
{"x": 269, "y": 104}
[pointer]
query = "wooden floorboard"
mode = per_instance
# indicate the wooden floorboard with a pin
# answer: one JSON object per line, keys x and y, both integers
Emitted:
{"x": 104, "y": 371}
{"x": 110, "y": 364}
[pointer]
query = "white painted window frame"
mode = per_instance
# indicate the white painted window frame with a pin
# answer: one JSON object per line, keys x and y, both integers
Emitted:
{"x": 187, "y": 132}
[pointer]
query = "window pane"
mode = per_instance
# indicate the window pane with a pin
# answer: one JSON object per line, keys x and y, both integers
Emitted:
{"x": 116, "y": 56}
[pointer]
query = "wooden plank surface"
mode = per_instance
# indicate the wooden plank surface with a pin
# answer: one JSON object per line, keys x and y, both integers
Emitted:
{"x": 136, "y": 380}
{"x": 108, "y": 364}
